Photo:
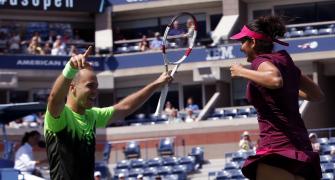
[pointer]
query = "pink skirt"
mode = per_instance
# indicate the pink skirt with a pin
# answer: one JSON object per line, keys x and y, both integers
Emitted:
{"x": 302, "y": 163}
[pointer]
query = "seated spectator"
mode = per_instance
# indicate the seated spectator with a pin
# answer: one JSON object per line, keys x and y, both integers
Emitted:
{"x": 190, "y": 117}
{"x": 144, "y": 44}
{"x": 191, "y": 105}
{"x": 47, "y": 48}
{"x": 176, "y": 30}
{"x": 58, "y": 47}
{"x": 168, "y": 108}
{"x": 173, "y": 118}
{"x": 51, "y": 37}
{"x": 117, "y": 35}
{"x": 190, "y": 30}
{"x": 24, "y": 158}
{"x": 97, "y": 175}
{"x": 14, "y": 43}
{"x": 245, "y": 143}
{"x": 156, "y": 44}
{"x": 314, "y": 142}
{"x": 34, "y": 47}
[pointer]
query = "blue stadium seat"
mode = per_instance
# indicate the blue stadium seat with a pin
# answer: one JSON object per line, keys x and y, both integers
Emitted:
{"x": 150, "y": 171}
{"x": 156, "y": 162}
{"x": 327, "y": 149}
{"x": 239, "y": 156}
{"x": 310, "y": 31}
{"x": 171, "y": 177}
{"x": 223, "y": 175}
{"x": 132, "y": 150}
{"x": 135, "y": 172}
{"x": 328, "y": 167}
{"x": 231, "y": 165}
{"x": 199, "y": 154}
{"x": 243, "y": 111}
{"x": 119, "y": 172}
{"x": 230, "y": 112}
{"x": 325, "y": 158}
{"x": 189, "y": 163}
{"x": 331, "y": 141}
{"x": 164, "y": 170}
{"x": 137, "y": 163}
{"x": 296, "y": 33}
{"x": 124, "y": 164}
{"x": 165, "y": 147}
{"x": 327, "y": 176}
{"x": 180, "y": 170}
{"x": 326, "y": 31}
{"x": 102, "y": 167}
{"x": 323, "y": 141}
{"x": 170, "y": 161}
{"x": 107, "y": 151}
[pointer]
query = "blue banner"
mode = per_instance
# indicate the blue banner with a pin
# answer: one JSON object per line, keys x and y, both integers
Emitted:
{"x": 223, "y": 52}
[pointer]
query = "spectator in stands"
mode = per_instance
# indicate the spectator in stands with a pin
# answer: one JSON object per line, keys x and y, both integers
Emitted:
{"x": 245, "y": 143}
{"x": 58, "y": 47}
{"x": 14, "y": 43}
{"x": 190, "y": 104}
{"x": 24, "y": 157}
{"x": 168, "y": 108}
{"x": 121, "y": 176}
{"x": 117, "y": 35}
{"x": 47, "y": 48}
{"x": 34, "y": 47}
{"x": 70, "y": 126}
{"x": 173, "y": 118}
{"x": 176, "y": 30}
{"x": 51, "y": 37}
{"x": 37, "y": 36}
{"x": 274, "y": 86}
{"x": 144, "y": 44}
{"x": 156, "y": 44}
{"x": 140, "y": 177}
{"x": 314, "y": 142}
{"x": 97, "y": 175}
{"x": 190, "y": 30}
{"x": 190, "y": 117}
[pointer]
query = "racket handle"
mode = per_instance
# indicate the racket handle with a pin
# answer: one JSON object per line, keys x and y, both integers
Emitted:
{"x": 161, "y": 101}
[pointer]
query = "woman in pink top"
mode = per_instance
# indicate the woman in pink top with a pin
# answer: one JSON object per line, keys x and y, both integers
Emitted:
{"x": 274, "y": 86}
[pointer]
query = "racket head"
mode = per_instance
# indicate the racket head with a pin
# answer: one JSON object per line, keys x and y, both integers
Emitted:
{"x": 180, "y": 33}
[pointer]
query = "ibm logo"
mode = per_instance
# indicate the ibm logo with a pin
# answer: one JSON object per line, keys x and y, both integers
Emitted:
{"x": 222, "y": 52}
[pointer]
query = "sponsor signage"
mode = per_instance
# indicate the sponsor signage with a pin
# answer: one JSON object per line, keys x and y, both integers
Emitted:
{"x": 117, "y": 2}
{"x": 54, "y": 5}
{"x": 199, "y": 54}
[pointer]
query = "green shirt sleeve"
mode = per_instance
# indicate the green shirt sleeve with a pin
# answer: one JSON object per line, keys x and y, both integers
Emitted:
{"x": 55, "y": 124}
{"x": 103, "y": 116}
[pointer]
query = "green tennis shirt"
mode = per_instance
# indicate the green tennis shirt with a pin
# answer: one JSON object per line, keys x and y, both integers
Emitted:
{"x": 70, "y": 142}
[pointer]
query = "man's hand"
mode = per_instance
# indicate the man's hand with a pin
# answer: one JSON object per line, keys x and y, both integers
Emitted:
{"x": 236, "y": 69}
{"x": 79, "y": 61}
{"x": 163, "y": 79}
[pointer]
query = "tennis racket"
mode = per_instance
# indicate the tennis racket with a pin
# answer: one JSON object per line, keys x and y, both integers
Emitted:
{"x": 181, "y": 32}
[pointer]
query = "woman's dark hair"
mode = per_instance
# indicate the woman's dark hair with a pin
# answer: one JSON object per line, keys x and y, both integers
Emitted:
{"x": 27, "y": 135}
{"x": 272, "y": 26}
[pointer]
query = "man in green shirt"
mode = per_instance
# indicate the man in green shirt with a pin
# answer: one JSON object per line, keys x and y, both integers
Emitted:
{"x": 70, "y": 127}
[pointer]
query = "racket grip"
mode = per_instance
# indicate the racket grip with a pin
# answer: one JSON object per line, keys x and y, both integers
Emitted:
{"x": 161, "y": 101}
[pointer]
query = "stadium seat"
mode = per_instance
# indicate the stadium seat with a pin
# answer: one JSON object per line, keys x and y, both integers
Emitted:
{"x": 198, "y": 154}
{"x": 239, "y": 156}
{"x": 156, "y": 162}
{"x": 135, "y": 172}
{"x": 331, "y": 141}
{"x": 328, "y": 167}
{"x": 165, "y": 147}
{"x": 323, "y": 141}
{"x": 189, "y": 163}
{"x": 327, "y": 176}
{"x": 164, "y": 170}
{"x": 107, "y": 151}
{"x": 327, "y": 149}
{"x": 170, "y": 161}
{"x": 243, "y": 111}
{"x": 296, "y": 33}
{"x": 181, "y": 171}
{"x": 325, "y": 158}
{"x": 236, "y": 174}
{"x": 119, "y": 172}
{"x": 171, "y": 177}
{"x": 137, "y": 163}
{"x": 230, "y": 112}
{"x": 132, "y": 150}
{"x": 231, "y": 165}
{"x": 102, "y": 167}
{"x": 150, "y": 171}
{"x": 310, "y": 31}
{"x": 223, "y": 175}
{"x": 124, "y": 164}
